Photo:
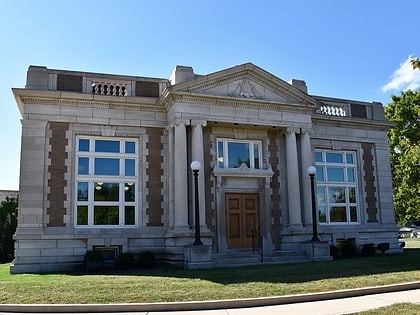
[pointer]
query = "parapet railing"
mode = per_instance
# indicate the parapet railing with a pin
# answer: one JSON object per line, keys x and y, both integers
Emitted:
{"x": 109, "y": 88}
{"x": 332, "y": 110}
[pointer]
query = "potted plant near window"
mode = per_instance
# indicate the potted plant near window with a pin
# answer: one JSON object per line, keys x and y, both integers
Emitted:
{"x": 93, "y": 260}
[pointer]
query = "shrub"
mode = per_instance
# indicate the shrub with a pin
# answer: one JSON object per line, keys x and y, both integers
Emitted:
{"x": 125, "y": 260}
{"x": 146, "y": 259}
{"x": 93, "y": 255}
{"x": 8, "y": 224}
{"x": 94, "y": 260}
{"x": 348, "y": 249}
{"x": 334, "y": 251}
{"x": 368, "y": 249}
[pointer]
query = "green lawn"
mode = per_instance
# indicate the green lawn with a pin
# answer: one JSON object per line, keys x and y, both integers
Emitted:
{"x": 168, "y": 285}
{"x": 395, "y": 309}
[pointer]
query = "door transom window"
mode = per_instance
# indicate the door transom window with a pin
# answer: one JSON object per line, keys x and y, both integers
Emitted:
{"x": 232, "y": 153}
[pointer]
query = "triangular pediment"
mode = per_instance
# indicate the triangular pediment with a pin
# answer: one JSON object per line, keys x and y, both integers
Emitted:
{"x": 245, "y": 81}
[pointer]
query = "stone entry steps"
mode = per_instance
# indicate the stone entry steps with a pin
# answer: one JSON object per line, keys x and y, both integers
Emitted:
{"x": 248, "y": 258}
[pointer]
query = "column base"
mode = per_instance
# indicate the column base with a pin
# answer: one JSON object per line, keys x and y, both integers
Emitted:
{"x": 318, "y": 250}
{"x": 198, "y": 256}
{"x": 295, "y": 228}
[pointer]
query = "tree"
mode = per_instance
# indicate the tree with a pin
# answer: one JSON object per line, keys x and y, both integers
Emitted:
{"x": 404, "y": 141}
{"x": 415, "y": 63}
{"x": 8, "y": 224}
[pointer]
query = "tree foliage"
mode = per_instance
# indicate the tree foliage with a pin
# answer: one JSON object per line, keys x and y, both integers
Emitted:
{"x": 404, "y": 140}
{"x": 8, "y": 224}
{"x": 415, "y": 63}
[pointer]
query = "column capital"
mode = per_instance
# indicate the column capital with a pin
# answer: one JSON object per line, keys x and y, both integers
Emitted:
{"x": 306, "y": 131}
{"x": 199, "y": 122}
{"x": 178, "y": 122}
{"x": 290, "y": 130}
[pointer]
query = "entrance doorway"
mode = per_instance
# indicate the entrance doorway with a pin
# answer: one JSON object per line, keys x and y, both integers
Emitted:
{"x": 242, "y": 216}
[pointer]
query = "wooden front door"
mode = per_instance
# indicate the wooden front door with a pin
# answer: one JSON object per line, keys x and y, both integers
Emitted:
{"x": 242, "y": 216}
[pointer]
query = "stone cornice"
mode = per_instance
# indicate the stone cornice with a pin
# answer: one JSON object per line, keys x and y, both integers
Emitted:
{"x": 350, "y": 122}
{"x": 24, "y": 96}
{"x": 186, "y": 97}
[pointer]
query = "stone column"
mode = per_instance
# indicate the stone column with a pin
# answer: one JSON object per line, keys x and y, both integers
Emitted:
{"x": 180, "y": 174}
{"x": 293, "y": 191}
{"x": 306, "y": 160}
{"x": 197, "y": 154}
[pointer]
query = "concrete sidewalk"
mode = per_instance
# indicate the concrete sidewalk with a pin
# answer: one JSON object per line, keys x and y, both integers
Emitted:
{"x": 327, "y": 307}
{"x": 334, "y": 302}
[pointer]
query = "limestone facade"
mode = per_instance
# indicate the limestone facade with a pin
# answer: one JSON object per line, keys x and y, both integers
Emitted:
{"x": 172, "y": 122}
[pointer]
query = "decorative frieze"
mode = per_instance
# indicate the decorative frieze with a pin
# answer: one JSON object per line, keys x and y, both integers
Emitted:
{"x": 242, "y": 103}
{"x": 143, "y": 106}
{"x": 246, "y": 89}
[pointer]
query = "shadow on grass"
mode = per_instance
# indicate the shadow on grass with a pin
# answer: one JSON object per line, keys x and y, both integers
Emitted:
{"x": 291, "y": 273}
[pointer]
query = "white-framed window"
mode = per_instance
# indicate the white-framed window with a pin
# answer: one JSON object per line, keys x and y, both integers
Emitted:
{"x": 106, "y": 182}
{"x": 337, "y": 188}
{"x": 232, "y": 153}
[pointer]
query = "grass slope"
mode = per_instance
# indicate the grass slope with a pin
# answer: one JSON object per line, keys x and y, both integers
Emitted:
{"x": 169, "y": 285}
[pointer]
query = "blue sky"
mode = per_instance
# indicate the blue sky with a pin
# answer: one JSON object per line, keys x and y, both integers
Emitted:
{"x": 355, "y": 49}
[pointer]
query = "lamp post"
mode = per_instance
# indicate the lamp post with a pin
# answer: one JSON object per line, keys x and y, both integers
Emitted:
{"x": 311, "y": 171}
{"x": 195, "y": 166}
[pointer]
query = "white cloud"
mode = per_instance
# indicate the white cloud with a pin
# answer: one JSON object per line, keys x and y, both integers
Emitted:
{"x": 404, "y": 78}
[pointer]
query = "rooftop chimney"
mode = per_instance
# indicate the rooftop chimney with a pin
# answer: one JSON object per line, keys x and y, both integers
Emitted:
{"x": 37, "y": 78}
{"x": 181, "y": 74}
{"x": 300, "y": 84}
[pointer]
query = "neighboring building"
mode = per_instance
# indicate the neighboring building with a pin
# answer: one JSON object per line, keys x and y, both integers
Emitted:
{"x": 105, "y": 163}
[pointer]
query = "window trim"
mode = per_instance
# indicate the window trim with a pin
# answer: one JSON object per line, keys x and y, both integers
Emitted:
{"x": 252, "y": 143}
{"x": 121, "y": 179}
{"x": 326, "y": 185}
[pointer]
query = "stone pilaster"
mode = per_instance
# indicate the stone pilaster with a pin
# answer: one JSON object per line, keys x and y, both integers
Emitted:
{"x": 171, "y": 186}
{"x": 32, "y": 178}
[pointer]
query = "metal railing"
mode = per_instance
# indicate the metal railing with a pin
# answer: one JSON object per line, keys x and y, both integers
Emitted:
{"x": 257, "y": 243}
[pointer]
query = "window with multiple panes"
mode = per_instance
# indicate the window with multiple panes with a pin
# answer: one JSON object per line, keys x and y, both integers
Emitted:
{"x": 232, "y": 153}
{"x": 106, "y": 181}
{"x": 336, "y": 186}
